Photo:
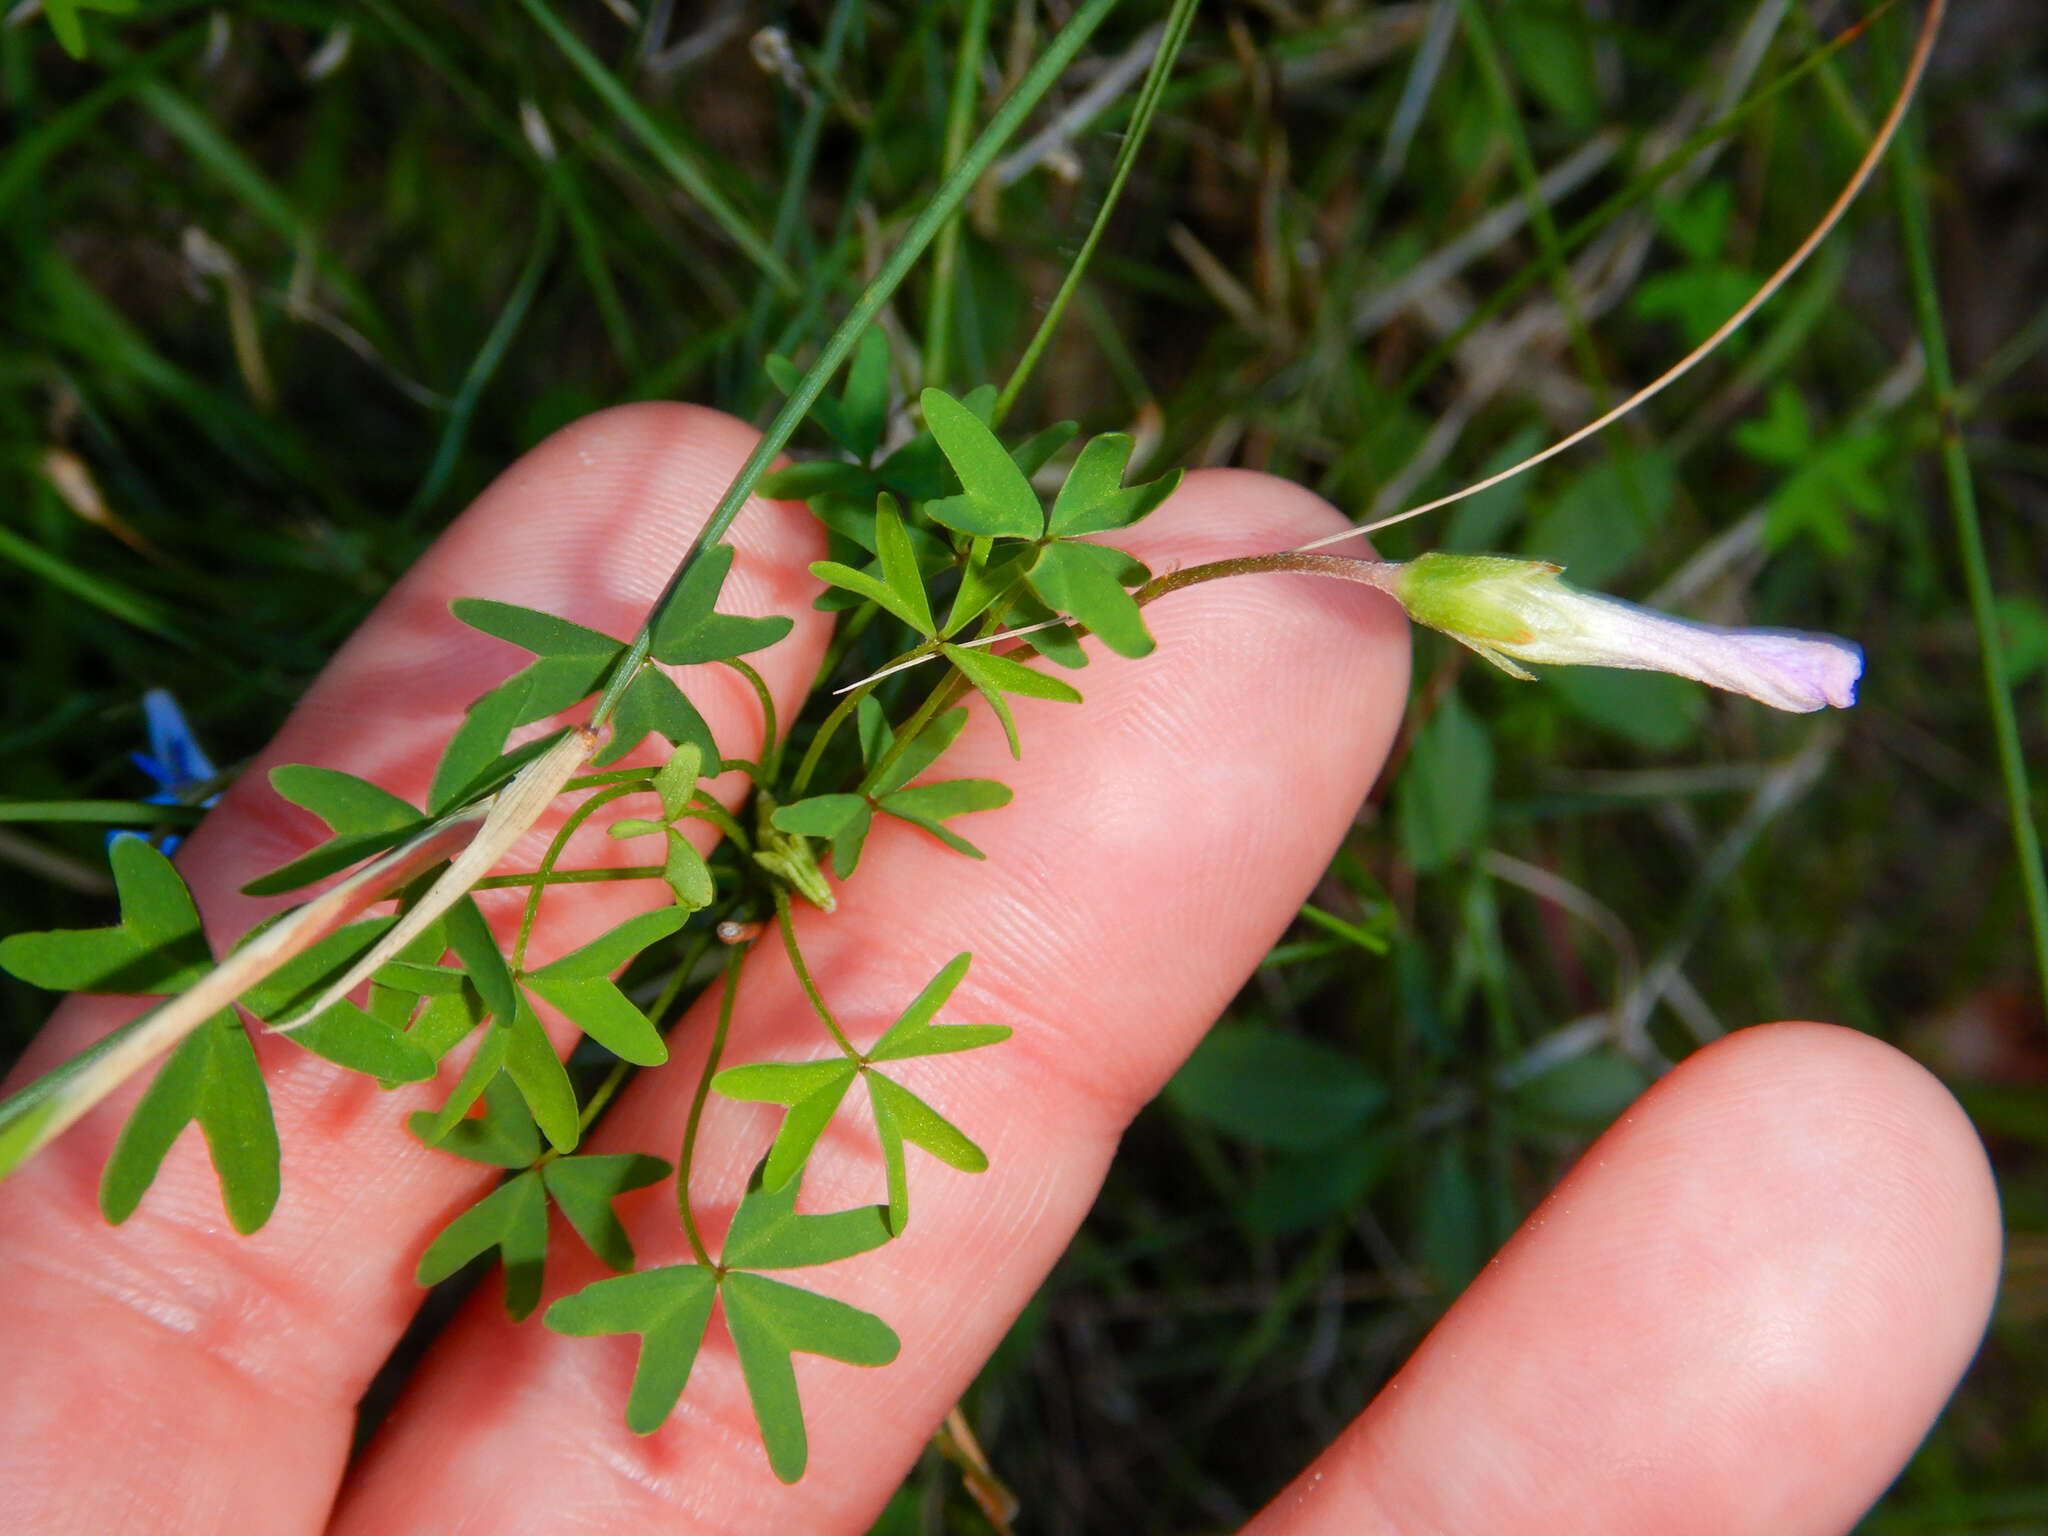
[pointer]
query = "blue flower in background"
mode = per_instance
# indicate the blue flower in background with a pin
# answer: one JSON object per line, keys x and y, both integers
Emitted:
{"x": 175, "y": 762}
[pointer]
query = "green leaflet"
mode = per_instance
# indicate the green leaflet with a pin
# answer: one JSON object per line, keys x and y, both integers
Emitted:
{"x": 996, "y": 497}
{"x": 362, "y": 818}
{"x": 770, "y": 1322}
{"x": 157, "y": 948}
{"x": 212, "y": 1077}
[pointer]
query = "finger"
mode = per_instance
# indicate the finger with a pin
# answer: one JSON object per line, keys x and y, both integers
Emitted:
{"x": 1163, "y": 834}
{"x": 180, "y": 1369}
{"x": 1739, "y": 1313}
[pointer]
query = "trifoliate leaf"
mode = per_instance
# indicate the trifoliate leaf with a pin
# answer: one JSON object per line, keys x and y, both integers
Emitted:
{"x": 997, "y": 499}
{"x": 770, "y": 1321}
{"x": 669, "y": 1308}
{"x": 1087, "y": 581}
{"x": 503, "y": 1136}
{"x": 584, "y": 1187}
{"x": 157, "y": 948}
{"x": 212, "y": 1077}
{"x": 513, "y": 1218}
{"x": 363, "y": 819}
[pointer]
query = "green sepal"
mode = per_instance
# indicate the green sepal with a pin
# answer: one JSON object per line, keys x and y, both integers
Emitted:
{"x": 212, "y": 1077}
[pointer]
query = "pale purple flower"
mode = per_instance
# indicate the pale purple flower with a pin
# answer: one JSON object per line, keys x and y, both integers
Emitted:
{"x": 1513, "y": 611}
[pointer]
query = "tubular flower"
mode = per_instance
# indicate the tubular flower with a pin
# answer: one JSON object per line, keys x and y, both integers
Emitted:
{"x": 1512, "y": 611}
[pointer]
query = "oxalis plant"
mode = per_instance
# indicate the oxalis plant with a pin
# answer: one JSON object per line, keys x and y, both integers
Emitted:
{"x": 948, "y": 560}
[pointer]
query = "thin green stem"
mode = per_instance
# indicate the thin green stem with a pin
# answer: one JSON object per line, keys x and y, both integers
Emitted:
{"x": 703, "y": 807}
{"x": 1910, "y": 186}
{"x": 1149, "y": 94}
{"x": 688, "y": 1156}
{"x": 111, "y": 812}
{"x": 689, "y": 175}
{"x": 543, "y": 876}
{"x": 966, "y": 91}
{"x": 1051, "y": 64}
{"x": 569, "y": 877}
{"x": 827, "y": 729}
{"x": 787, "y": 925}
{"x": 771, "y": 739}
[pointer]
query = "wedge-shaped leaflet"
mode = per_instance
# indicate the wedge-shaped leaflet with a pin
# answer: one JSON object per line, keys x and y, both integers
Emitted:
{"x": 1087, "y": 581}
{"x": 689, "y": 630}
{"x": 513, "y": 1219}
{"x": 503, "y": 1136}
{"x": 156, "y": 949}
{"x": 1094, "y": 498}
{"x": 580, "y": 985}
{"x": 772, "y": 1321}
{"x": 997, "y": 499}
{"x": 212, "y": 1077}
{"x": 570, "y": 662}
{"x": 996, "y": 676}
{"x": 363, "y": 819}
{"x": 670, "y": 1307}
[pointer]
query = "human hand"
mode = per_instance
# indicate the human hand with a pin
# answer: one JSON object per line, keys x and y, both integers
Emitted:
{"x": 1739, "y": 1313}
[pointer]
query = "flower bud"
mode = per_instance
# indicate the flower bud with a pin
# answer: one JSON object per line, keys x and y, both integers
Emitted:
{"x": 1512, "y": 611}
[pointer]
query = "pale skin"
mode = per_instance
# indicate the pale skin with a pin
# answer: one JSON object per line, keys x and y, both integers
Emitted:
{"x": 1739, "y": 1312}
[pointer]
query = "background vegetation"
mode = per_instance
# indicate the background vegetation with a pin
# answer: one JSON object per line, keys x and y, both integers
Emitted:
{"x": 289, "y": 282}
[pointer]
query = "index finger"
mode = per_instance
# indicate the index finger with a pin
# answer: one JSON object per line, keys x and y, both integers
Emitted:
{"x": 172, "y": 1366}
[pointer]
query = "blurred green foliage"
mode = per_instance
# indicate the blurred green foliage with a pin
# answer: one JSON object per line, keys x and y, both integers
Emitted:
{"x": 289, "y": 283}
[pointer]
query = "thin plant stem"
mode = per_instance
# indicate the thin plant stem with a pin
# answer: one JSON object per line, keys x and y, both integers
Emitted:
{"x": 827, "y": 729}
{"x": 966, "y": 91}
{"x": 568, "y": 877}
{"x": 787, "y": 924}
{"x": 543, "y": 876}
{"x": 1050, "y": 66}
{"x": 1149, "y": 94}
{"x": 1910, "y": 184}
{"x": 1915, "y": 67}
{"x": 687, "y": 1157}
{"x": 771, "y": 740}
